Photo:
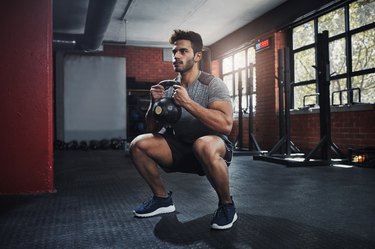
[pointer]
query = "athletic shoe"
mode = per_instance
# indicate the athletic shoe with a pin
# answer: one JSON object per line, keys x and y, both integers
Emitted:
{"x": 155, "y": 206}
{"x": 224, "y": 216}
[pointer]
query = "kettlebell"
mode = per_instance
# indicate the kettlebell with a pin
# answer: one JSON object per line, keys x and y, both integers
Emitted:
{"x": 165, "y": 111}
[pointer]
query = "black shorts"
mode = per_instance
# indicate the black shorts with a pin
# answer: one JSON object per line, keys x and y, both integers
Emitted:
{"x": 184, "y": 159}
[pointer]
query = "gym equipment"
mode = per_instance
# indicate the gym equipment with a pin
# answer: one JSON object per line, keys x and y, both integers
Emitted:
{"x": 325, "y": 146}
{"x": 72, "y": 145}
{"x": 168, "y": 83}
{"x": 253, "y": 144}
{"x": 94, "y": 144}
{"x": 59, "y": 145}
{"x": 83, "y": 145}
{"x": 253, "y": 148}
{"x": 349, "y": 92}
{"x": 105, "y": 144}
{"x": 165, "y": 111}
{"x": 117, "y": 143}
{"x": 285, "y": 147}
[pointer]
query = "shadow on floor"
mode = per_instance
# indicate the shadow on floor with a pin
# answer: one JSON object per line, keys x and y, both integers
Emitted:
{"x": 253, "y": 231}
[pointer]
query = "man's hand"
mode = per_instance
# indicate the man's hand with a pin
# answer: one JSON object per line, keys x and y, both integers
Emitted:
{"x": 180, "y": 95}
{"x": 156, "y": 92}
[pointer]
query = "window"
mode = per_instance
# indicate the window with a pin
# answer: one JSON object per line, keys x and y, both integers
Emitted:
{"x": 240, "y": 65}
{"x": 351, "y": 28}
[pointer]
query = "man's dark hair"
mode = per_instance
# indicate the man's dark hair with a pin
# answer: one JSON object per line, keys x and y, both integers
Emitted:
{"x": 195, "y": 38}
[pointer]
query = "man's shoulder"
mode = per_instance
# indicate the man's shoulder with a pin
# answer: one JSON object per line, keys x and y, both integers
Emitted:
{"x": 206, "y": 78}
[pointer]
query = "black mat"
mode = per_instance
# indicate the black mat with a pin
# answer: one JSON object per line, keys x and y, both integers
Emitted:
{"x": 278, "y": 207}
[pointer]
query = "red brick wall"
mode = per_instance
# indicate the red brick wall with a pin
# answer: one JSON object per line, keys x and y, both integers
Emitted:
{"x": 266, "y": 125}
{"x": 142, "y": 63}
{"x": 355, "y": 129}
{"x": 215, "y": 68}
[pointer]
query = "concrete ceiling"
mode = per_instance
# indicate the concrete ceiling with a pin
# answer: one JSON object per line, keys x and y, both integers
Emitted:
{"x": 150, "y": 22}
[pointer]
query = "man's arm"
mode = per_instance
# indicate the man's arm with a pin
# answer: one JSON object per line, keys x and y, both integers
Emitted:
{"x": 218, "y": 116}
{"x": 156, "y": 93}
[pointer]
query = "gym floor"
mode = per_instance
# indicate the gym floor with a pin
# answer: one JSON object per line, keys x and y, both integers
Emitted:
{"x": 277, "y": 206}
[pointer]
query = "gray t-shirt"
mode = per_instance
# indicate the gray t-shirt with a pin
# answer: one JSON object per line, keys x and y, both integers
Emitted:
{"x": 204, "y": 90}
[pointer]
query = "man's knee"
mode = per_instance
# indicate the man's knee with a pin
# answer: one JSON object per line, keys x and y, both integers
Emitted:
{"x": 208, "y": 147}
{"x": 201, "y": 146}
{"x": 139, "y": 143}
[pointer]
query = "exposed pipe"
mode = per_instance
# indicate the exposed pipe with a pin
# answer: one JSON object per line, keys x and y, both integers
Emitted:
{"x": 99, "y": 15}
{"x": 126, "y": 10}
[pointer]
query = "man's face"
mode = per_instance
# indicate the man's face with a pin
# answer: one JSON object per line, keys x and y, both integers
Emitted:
{"x": 183, "y": 56}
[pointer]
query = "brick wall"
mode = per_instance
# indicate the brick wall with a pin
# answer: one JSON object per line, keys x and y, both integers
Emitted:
{"x": 266, "y": 123}
{"x": 215, "y": 68}
{"x": 142, "y": 63}
{"x": 354, "y": 129}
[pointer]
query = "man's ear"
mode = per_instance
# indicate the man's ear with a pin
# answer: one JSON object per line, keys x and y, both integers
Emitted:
{"x": 198, "y": 56}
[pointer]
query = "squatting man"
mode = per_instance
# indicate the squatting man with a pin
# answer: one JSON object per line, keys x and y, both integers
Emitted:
{"x": 199, "y": 141}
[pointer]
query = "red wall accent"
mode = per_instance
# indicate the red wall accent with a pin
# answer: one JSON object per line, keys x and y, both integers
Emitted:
{"x": 266, "y": 125}
{"x": 26, "y": 161}
{"x": 142, "y": 63}
{"x": 354, "y": 129}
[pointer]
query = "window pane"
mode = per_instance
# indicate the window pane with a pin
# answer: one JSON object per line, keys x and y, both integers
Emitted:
{"x": 301, "y": 91}
{"x": 367, "y": 85}
{"x": 243, "y": 82}
{"x": 236, "y": 89}
{"x": 239, "y": 60}
{"x": 228, "y": 80}
{"x": 253, "y": 80}
{"x": 235, "y": 105}
{"x": 254, "y": 98}
{"x": 303, "y": 62}
{"x": 227, "y": 65}
{"x": 337, "y": 56}
{"x": 339, "y": 98}
{"x": 333, "y": 21}
{"x": 363, "y": 50}
{"x": 361, "y": 12}
{"x": 303, "y": 35}
{"x": 251, "y": 56}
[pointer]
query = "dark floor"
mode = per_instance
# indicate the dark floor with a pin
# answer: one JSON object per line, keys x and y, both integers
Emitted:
{"x": 278, "y": 207}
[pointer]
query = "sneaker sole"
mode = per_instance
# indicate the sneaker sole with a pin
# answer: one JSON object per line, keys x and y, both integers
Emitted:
{"x": 216, "y": 226}
{"x": 162, "y": 210}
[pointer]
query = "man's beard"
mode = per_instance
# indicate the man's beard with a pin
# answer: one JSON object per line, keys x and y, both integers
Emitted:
{"x": 188, "y": 65}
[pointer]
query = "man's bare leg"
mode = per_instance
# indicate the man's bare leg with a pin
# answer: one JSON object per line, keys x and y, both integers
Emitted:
{"x": 146, "y": 151}
{"x": 210, "y": 150}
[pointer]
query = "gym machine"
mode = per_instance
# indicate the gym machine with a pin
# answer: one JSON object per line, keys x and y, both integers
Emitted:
{"x": 253, "y": 146}
{"x": 325, "y": 146}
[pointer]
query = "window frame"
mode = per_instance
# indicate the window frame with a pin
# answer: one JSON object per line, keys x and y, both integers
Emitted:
{"x": 233, "y": 73}
{"x": 347, "y": 35}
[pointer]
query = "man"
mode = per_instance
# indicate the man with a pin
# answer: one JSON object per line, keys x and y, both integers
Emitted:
{"x": 199, "y": 142}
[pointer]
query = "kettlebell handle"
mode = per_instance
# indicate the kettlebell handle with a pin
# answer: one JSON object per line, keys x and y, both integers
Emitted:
{"x": 168, "y": 83}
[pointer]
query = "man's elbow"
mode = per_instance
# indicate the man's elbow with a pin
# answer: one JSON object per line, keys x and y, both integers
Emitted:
{"x": 227, "y": 129}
